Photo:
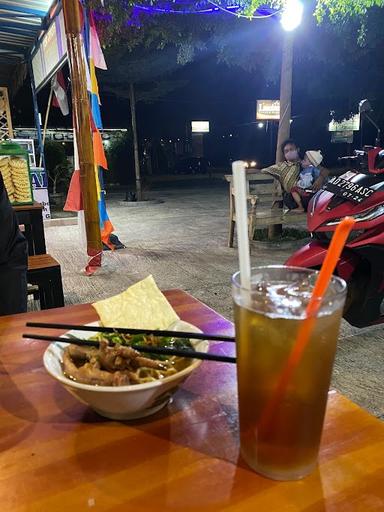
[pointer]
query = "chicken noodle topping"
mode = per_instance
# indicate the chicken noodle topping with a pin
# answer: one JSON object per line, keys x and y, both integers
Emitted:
{"x": 121, "y": 365}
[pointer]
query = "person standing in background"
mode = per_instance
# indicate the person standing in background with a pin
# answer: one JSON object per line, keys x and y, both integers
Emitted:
{"x": 13, "y": 259}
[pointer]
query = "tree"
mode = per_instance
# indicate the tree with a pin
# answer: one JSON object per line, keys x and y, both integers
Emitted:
{"x": 57, "y": 165}
{"x": 327, "y": 49}
{"x": 143, "y": 53}
{"x": 334, "y": 10}
{"x": 337, "y": 10}
{"x": 139, "y": 75}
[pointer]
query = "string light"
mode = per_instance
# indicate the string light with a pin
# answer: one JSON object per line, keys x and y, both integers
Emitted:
{"x": 167, "y": 10}
{"x": 229, "y": 9}
{"x": 246, "y": 16}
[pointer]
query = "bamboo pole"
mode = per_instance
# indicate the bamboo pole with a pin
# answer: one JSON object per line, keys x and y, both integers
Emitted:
{"x": 82, "y": 125}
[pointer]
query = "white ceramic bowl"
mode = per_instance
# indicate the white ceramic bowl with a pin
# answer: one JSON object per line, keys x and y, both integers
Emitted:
{"x": 122, "y": 402}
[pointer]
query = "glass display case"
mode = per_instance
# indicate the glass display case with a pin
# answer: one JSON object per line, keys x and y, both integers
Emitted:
{"x": 14, "y": 167}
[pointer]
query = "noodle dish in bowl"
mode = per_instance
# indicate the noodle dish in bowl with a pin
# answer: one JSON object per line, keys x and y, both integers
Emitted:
{"x": 115, "y": 379}
{"x": 133, "y": 386}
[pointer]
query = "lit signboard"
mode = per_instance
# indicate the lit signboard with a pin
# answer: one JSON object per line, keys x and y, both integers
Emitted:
{"x": 268, "y": 110}
{"x": 346, "y": 137}
{"x": 200, "y": 126}
{"x": 346, "y": 125}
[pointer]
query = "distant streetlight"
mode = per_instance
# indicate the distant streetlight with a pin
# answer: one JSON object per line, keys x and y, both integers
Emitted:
{"x": 260, "y": 125}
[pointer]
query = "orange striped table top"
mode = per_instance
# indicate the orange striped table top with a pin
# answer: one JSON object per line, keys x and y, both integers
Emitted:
{"x": 59, "y": 456}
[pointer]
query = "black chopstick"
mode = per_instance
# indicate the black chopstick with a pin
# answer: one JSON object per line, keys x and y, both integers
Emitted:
{"x": 123, "y": 330}
{"x": 149, "y": 350}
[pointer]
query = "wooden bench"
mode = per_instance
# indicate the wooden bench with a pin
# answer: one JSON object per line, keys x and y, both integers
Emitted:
{"x": 45, "y": 273}
{"x": 264, "y": 205}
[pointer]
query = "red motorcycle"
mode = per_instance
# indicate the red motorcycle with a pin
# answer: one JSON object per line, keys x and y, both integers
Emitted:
{"x": 359, "y": 193}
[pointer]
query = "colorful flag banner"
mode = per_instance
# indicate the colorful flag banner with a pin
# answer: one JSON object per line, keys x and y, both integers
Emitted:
{"x": 94, "y": 59}
{"x": 60, "y": 99}
{"x": 94, "y": 43}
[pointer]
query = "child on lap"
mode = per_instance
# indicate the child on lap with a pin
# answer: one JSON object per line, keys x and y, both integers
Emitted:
{"x": 308, "y": 175}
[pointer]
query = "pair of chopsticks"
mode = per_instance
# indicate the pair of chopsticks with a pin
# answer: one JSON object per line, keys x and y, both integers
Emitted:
{"x": 150, "y": 350}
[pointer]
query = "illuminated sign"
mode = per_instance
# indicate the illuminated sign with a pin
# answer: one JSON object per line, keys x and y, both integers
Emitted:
{"x": 66, "y": 135}
{"x": 346, "y": 137}
{"x": 346, "y": 125}
{"x": 268, "y": 110}
{"x": 200, "y": 126}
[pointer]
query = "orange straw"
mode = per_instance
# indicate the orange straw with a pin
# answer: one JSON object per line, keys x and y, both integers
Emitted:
{"x": 333, "y": 254}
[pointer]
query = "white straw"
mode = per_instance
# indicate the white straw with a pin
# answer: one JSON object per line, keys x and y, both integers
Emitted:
{"x": 240, "y": 192}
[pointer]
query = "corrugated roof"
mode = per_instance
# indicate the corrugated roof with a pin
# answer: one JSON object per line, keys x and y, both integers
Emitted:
{"x": 20, "y": 24}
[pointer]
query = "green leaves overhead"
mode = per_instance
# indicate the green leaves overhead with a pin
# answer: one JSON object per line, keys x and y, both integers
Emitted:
{"x": 334, "y": 10}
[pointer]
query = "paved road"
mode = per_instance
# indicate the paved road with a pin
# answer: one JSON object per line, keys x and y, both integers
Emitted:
{"x": 182, "y": 242}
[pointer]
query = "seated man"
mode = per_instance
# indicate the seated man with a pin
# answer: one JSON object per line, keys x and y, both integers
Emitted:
{"x": 13, "y": 259}
{"x": 288, "y": 172}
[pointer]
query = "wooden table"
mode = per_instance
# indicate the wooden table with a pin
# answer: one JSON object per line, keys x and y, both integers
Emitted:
{"x": 32, "y": 219}
{"x": 57, "y": 455}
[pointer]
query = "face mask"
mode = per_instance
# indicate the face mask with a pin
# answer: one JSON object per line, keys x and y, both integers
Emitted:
{"x": 292, "y": 155}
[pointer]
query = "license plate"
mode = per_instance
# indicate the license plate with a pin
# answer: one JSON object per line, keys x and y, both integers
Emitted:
{"x": 348, "y": 189}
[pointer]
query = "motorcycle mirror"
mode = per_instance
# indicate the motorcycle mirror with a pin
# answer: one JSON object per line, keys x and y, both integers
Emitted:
{"x": 364, "y": 106}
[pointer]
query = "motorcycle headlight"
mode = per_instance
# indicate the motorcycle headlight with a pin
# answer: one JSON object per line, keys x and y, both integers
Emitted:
{"x": 371, "y": 214}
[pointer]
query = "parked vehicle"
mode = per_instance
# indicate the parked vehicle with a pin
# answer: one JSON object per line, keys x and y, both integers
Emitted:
{"x": 358, "y": 193}
{"x": 192, "y": 165}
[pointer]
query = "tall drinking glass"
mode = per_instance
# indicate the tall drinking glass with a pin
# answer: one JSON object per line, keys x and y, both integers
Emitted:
{"x": 267, "y": 320}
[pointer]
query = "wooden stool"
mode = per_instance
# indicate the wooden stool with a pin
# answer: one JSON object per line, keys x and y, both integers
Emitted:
{"x": 44, "y": 272}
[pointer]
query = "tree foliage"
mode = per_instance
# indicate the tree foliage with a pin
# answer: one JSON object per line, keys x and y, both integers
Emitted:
{"x": 149, "y": 70}
{"x": 334, "y": 10}
{"x": 333, "y": 69}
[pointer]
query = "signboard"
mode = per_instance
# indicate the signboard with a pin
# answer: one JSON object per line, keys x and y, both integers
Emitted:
{"x": 200, "y": 126}
{"x": 268, "y": 110}
{"x": 51, "y": 52}
{"x": 66, "y": 135}
{"x": 345, "y": 137}
{"x": 346, "y": 125}
{"x": 39, "y": 179}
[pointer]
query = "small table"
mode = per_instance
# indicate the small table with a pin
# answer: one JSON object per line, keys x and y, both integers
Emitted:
{"x": 32, "y": 218}
{"x": 58, "y": 455}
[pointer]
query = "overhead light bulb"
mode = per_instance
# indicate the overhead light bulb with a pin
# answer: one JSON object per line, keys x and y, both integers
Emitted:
{"x": 292, "y": 15}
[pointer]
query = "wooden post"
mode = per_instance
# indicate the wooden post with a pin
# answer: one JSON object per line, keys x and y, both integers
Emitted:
{"x": 285, "y": 112}
{"x": 46, "y": 124}
{"x": 82, "y": 125}
{"x": 285, "y": 94}
{"x": 132, "y": 102}
{"x": 6, "y": 130}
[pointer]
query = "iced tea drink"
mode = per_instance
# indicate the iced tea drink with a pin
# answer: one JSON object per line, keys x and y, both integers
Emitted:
{"x": 267, "y": 319}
